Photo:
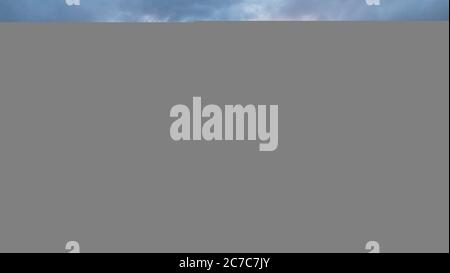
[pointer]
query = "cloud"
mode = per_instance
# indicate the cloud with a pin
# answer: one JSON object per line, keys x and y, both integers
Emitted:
{"x": 225, "y": 10}
{"x": 358, "y": 10}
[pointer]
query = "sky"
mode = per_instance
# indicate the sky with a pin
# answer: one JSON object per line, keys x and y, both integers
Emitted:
{"x": 221, "y": 10}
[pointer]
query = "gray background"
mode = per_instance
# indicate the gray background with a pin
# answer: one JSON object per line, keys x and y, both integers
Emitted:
{"x": 85, "y": 151}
